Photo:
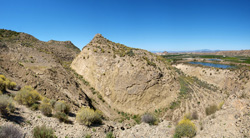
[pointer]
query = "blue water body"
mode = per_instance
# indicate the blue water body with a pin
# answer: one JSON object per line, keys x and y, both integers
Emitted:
{"x": 212, "y": 65}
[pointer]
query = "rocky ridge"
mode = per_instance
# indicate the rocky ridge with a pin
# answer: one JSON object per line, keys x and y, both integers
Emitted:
{"x": 130, "y": 80}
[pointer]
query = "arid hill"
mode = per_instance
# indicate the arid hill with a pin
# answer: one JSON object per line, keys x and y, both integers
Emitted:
{"x": 130, "y": 80}
{"x": 43, "y": 65}
{"x": 132, "y": 87}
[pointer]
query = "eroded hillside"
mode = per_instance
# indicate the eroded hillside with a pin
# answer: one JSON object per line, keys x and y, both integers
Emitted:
{"x": 43, "y": 65}
{"x": 130, "y": 80}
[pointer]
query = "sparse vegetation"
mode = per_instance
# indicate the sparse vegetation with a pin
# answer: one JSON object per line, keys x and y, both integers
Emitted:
{"x": 88, "y": 116}
{"x": 88, "y": 136}
{"x": 149, "y": 118}
{"x": 130, "y": 53}
{"x": 43, "y": 132}
{"x": 109, "y": 135}
{"x": 62, "y": 117}
{"x": 211, "y": 109}
{"x": 185, "y": 128}
{"x": 6, "y": 83}
{"x": 10, "y": 131}
{"x": 185, "y": 90}
{"x": 149, "y": 62}
{"x": 195, "y": 115}
{"x": 27, "y": 96}
{"x": 6, "y": 105}
{"x": 52, "y": 102}
{"x": 34, "y": 107}
{"x": 80, "y": 77}
{"x": 12, "y": 85}
{"x": 175, "y": 104}
{"x": 62, "y": 106}
{"x": 46, "y": 108}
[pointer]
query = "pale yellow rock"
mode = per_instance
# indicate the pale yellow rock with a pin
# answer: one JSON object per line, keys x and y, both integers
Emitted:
{"x": 133, "y": 82}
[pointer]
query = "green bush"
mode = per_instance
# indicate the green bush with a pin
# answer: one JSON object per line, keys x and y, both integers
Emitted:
{"x": 2, "y": 83}
{"x": 43, "y": 132}
{"x": 185, "y": 128}
{"x": 45, "y": 100}
{"x": 27, "y": 96}
{"x": 88, "y": 136}
{"x": 52, "y": 103}
{"x": 2, "y": 77}
{"x": 88, "y": 116}
{"x": 211, "y": 109}
{"x": 62, "y": 106}
{"x": 109, "y": 135}
{"x": 62, "y": 117}
{"x": 11, "y": 85}
{"x": 34, "y": 107}
{"x": 10, "y": 131}
{"x": 149, "y": 118}
{"x": 46, "y": 108}
{"x": 6, "y": 83}
{"x": 6, "y": 105}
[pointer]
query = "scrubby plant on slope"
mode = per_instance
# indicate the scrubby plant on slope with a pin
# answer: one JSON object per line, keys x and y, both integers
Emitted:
{"x": 88, "y": 116}
{"x": 62, "y": 106}
{"x": 185, "y": 128}
{"x": 10, "y": 131}
{"x": 27, "y": 96}
{"x": 45, "y": 107}
{"x": 211, "y": 109}
{"x": 6, "y": 83}
{"x": 109, "y": 135}
{"x": 43, "y": 132}
{"x": 11, "y": 85}
{"x": 6, "y": 105}
{"x": 62, "y": 117}
{"x": 149, "y": 118}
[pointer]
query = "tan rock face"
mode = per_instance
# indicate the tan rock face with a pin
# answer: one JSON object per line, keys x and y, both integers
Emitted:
{"x": 131, "y": 80}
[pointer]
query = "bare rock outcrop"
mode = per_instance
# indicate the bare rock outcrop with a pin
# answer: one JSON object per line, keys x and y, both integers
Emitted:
{"x": 130, "y": 80}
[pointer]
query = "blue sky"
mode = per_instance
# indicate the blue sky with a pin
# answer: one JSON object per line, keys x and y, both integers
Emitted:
{"x": 155, "y": 25}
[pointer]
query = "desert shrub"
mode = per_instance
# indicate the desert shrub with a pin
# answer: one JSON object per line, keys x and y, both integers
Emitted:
{"x": 10, "y": 131}
{"x": 11, "y": 85}
{"x": 34, "y": 107}
{"x": 188, "y": 116}
{"x": 175, "y": 104}
{"x": 52, "y": 102}
{"x": 148, "y": 118}
{"x": 109, "y": 135}
{"x": 62, "y": 117}
{"x": 185, "y": 128}
{"x": 88, "y": 136}
{"x": 45, "y": 100}
{"x": 211, "y": 109}
{"x": 62, "y": 106}
{"x": 3, "y": 77}
{"x": 195, "y": 115}
{"x": 6, "y": 105}
{"x": 88, "y": 116}
{"x": 27, "y": 96}
{"x": 43, "y": 132}
{"x": 46, "y": 108}
{"x": 7, "y": 83}
{"x": 2, "y": 84}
